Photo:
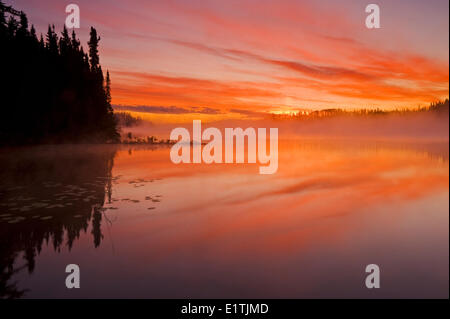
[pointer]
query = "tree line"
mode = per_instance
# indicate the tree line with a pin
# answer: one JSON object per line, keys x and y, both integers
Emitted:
{"x": 438, "y": 108}
{"x": 51, "y": 90}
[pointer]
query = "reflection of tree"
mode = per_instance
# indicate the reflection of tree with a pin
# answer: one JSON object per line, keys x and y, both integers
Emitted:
{"x": 78, "y": 179}
{"x": 8, "y": 288}
{"x": 96, "y": 227}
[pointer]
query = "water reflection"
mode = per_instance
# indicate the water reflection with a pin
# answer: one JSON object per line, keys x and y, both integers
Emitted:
{"x": 141, "y": 226}
{"x": 49, "y": 195}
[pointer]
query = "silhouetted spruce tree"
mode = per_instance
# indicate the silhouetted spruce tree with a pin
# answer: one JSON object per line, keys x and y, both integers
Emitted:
{"x": 52, "y": 40}
{"x": 2, "y": 19}
{"x": 33, "y": 34}
{"x": 75, "y": 43}
{"x": 108, "y": 88}
{"x": 23, "y": 25}
{"x": 64, "y": 42}
{"x": 94, "y": 59}
{"x": 12, "y": 27}
{"x": 52, "y": 91}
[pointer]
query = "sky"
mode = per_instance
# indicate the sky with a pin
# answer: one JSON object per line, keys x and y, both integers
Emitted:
{"x": 207, "y": 59}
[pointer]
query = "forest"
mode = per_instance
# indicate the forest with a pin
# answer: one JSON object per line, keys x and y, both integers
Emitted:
{"x": 439, "y": 109}
{"x": 52, "y": 91}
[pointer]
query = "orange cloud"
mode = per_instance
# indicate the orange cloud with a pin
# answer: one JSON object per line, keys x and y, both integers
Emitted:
{"x": 263, "y": 55}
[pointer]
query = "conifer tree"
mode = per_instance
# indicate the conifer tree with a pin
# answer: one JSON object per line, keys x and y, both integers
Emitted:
{"x": 75, "y": 43}
{"x": 52, "y": 40}
{"x": 12, "y": 27}
{"x": 33, "y": 33}
{"x": 108, "y": 88}
{"x": 94, "y": 59}
{"x": 2, "y": 19}
{"x": 23, "y": 25}
{"x": 64, "y": 42}
{"x": 55, "y": 92}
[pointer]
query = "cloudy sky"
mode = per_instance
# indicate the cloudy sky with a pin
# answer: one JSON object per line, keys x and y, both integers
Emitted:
{"x": 235, "y": 57}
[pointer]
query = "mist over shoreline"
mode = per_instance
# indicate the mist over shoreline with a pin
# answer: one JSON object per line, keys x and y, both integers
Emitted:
{"x": 417, "y": 126}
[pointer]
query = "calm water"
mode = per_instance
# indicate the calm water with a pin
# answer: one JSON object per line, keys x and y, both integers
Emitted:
{"x": 140, "y": 226}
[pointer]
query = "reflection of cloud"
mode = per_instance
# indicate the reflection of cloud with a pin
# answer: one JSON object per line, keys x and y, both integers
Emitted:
{"x": 309, "y": 185}
{"x": 319, "y": 182}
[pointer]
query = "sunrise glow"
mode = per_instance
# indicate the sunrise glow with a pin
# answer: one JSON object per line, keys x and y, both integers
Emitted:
{"x": 214, "y": 59}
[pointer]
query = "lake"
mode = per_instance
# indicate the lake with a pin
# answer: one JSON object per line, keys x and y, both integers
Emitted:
{"x": 139, "y": 226}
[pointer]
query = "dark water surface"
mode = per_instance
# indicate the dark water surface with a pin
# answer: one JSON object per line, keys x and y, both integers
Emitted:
{"x": 140, "y": 226}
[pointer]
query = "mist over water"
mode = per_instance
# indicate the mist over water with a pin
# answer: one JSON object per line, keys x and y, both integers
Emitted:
{"x": 416, "y": 126}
